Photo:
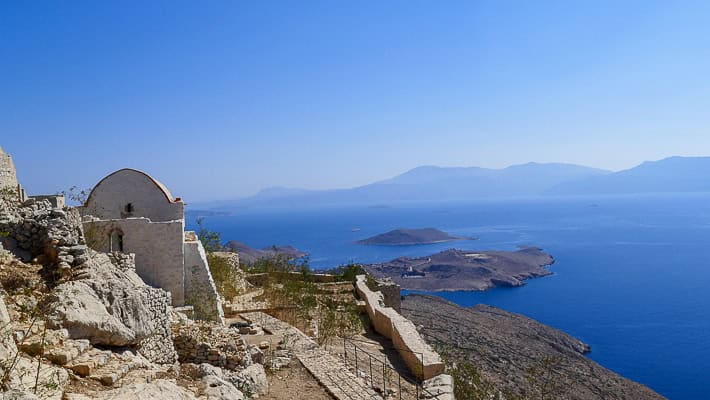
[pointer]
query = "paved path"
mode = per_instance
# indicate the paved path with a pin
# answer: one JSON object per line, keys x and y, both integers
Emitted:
{"x": 328, "y": 370}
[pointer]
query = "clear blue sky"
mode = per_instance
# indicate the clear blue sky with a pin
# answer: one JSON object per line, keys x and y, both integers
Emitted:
{"x": 220, "y": 99}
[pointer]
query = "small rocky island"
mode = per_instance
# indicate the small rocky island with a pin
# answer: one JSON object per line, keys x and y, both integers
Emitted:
{"x": 465, "y": 270}
{"x": 410, "y": 237}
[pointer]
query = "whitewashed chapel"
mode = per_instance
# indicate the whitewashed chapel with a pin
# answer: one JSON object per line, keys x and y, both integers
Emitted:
{"x": 131, "y": 212}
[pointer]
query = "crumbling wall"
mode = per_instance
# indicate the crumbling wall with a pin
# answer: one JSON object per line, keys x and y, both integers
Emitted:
{"x": 200, "y": 289}
{"x": 37, "y": 229}
{"x": 198, "y": 343}
{"x": 391, "y": 292}
{"x": 8, "y": 176}
{"x": 419, "y": 357}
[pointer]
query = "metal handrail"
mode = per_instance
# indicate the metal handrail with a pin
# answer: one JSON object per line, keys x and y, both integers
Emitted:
{"x": 418, "y": 382}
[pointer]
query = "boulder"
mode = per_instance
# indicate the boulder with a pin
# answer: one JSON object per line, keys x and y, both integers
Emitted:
{"x": 217, "y": 388}
{"x": 7, "y": 345}
{"x": 158, "y": 389}
{"x": 113, "y": 306}
{"x": 254, "y": 378}
{"x": 16, "y": 394}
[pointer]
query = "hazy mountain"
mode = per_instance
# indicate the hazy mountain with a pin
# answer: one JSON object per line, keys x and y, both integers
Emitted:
{"x": 674, "y": 174}
{"x": 433, "y": 183}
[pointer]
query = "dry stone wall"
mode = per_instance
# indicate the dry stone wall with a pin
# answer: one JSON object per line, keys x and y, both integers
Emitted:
{"x": 198, "y": 342}
{"x": 37, "y": 229}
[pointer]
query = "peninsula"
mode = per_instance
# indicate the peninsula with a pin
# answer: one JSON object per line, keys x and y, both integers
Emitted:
{"x": 455, "y": 269}
{"x": 410, "y": 237}
{"x": 513, "y": 351}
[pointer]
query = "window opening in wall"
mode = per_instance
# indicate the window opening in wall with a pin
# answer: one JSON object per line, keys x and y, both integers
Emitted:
{"x": 129, "y": 207}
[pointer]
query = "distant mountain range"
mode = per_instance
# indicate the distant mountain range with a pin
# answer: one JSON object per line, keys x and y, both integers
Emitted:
{"x": 674, "y": 174}
{"x": 670, "y": 175}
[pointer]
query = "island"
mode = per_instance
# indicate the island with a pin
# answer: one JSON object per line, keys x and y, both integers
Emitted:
{"x": 409, "y": 237}
{"x": 455, "y": 269}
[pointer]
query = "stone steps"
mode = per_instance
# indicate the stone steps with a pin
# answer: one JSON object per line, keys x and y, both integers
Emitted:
{"x": 328, "y": 370}
{"x": 114, "y": 370}
{"x": 89, "y": 362}
{"x": 332, "y": 373}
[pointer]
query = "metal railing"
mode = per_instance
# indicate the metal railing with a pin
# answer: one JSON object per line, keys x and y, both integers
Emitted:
{"x": 382, "y": 376}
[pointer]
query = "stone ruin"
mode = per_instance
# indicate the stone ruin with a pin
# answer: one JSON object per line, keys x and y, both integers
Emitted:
{"x": 8, "y": 176}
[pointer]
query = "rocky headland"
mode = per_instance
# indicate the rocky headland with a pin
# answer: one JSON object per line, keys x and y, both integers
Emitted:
{"x": 464, "y": 269}
{"x": 516, "y": 354}
{"x": 410, "y": 237}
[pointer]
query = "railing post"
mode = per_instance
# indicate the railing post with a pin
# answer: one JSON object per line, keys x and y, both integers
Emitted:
{"x": 384, "y": 380}
{"x": 345, "y": 351}
{"x": 400, "y": 385}
{"x": 372, "y": 384}
{"x": 355, "y": 360}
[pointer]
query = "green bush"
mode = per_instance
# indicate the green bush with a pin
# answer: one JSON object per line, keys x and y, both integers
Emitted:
{"x": 224, "y": 275}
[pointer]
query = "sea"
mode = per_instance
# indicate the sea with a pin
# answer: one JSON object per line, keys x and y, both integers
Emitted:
{"x": 631, "y": 276}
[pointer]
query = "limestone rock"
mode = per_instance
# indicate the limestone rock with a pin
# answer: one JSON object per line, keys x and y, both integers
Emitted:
{"x": 254, "y": 378}
{"x": 17, "y": 394}
{"x": 50, "y": 381}
{"x": 158, "y": 389}
{"x": 7, "y": 345}
{"x": 219, "y": 389}
{"x": 112, "y": 306}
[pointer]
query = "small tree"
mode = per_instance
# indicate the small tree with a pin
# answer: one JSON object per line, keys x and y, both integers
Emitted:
{"x": 76, "y": 195}
{"x": 210, "y": 239}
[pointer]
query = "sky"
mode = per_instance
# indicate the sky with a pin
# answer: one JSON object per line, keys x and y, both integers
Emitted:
{"x": 221, "y": 99}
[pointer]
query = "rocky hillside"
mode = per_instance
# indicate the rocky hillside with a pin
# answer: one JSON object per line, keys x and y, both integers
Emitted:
{"x": 78, "y": 324}
{"x": 511, "y": 351}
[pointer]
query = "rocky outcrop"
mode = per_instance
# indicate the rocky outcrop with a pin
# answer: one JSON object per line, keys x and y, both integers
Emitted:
{"x": 7, "y": 345}
{"x": 112, "y": 306}
{"x": 223, "y": 384}
{"x": 512, "y": 351}
{"x": 158, "y": 389}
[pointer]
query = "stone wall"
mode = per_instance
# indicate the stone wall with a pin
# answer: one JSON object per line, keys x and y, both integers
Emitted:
{"x": 198, "y": 343}
{"x": 8, "y": 177}
{"x": 419, "y": 357}
{"x": 391, "y": 292}
{"x": 158, "y": 247}
{"x": 39, "y": 230}
{"x": 262, "y": 279}
{"x": 158, "y": 347}
{"x": 200, "y": 290}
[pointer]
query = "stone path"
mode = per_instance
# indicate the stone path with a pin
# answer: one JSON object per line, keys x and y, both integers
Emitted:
{"x": 328, "y": 370}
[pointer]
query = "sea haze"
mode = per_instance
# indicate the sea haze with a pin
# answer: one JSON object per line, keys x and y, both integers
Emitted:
{"x": 630, "y": 277}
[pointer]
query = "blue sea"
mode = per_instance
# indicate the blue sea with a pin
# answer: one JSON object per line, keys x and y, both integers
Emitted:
{"x": 631, "y": 274}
